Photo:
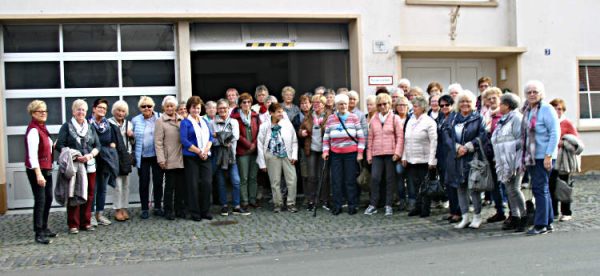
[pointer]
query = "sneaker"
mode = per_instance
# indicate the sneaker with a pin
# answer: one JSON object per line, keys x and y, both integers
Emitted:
{"x": 224, "y": 211}
{"x": 89, "y": 228}
{"x": 240, "y": 211}
{"x": 144, "y": 214}
{"x": 102, "y": 220}
{"x": 277, "y": 209}
{"x": 326, "y": 206}
{"x": 550, "y": 228}
{"x": 292, "y": 208}
{"x": 73, "y": 231}
{"x": 537, "y": 231}
{"x": 388, "y": 210}
{"x": 565, "y": 218}
{"x": 93, "y": 221}
{"x": 476, "y": 223}
{"x": 310, "y": 207}
{"x": 371, "y": 210}
{"x": 498, "y": 217}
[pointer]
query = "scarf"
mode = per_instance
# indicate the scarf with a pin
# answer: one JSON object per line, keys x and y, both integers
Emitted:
{"x": 343, "y": 117}
{"x": 200, "y": 131}
{"x": 528, "y": 131}
{"x": 318, "y": 119}
{"x": 102, "y": 126}
{"x": 80, "y": 130}
{"x": 246, "y": 119}
{"x": 276, "y": 144}
{"x": 383, "y": 117}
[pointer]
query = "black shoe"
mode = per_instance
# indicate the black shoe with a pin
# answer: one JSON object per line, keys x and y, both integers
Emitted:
{"x": 196, "y": 218}
{"x": 352, "y": 211}
{"x": 498, "y": 217}
{"x": 336, "y": 211}
{"x": 207, "y": 216}
{"x": 424, "y": 215}
{"x": 49, "y": 233}
{"x": 521, "y": 224}
{"x": 169, "y": 216}
{"x": 41, "y": 238}
{"x": 180, "y": 214}
{"x": 537, "y": 230}
{"x": 224, "y": 211}
{"x": 550, "y": 228}
{"x": 310, "y": 207}
{"x": 144, "y": 214}
{"x": 158, "y": 212}
{"x": 240, "y": 211}
{"x": 512, "y": 224}
{"x": 414, "y": 212}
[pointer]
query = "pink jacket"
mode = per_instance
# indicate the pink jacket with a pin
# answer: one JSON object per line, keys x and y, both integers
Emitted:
{"x": 385, "y": 139}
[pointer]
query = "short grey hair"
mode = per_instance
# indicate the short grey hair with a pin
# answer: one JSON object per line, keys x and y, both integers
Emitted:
{"x": 455, "y": 86}
{"x": 353, "y": 94}
{"x": 539, "y": 87}
{"x": 341, "y": 98}
{"x": 211, "y": 104}
{"x": 462, "y": 95}
{"x": 120, "y": 105}
{"x": 79, "y": 103}
{"x": 320, "y": 88}
{"x": 222, "y": 101}
{"x": 511, "y": 100}
{"x": 271, "y": 98}
{"x": 261, "y": 88}
{"x": 421, "y": 102}
{"x": 404, "y": 81}
{"x": 169, "y": 100}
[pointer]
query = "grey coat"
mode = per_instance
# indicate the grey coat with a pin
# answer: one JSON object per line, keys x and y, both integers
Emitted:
{"x": 71, "y": 187}
{"x": 568, "y": 155}
{"x": 506, "y": 141}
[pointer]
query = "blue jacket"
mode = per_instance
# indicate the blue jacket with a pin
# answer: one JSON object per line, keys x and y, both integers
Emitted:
{"x": 187, "y": 135}
{"x": 139, "y": 124}
{"x": 457, "y": 169}
{"x": 547, "y": 131}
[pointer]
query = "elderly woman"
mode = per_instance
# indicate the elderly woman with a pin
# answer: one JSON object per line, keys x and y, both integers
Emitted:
{"x": 434, "y": 89}
{"x": 260, "y": 94}
{"x": 434, "y": 107}
{"x": 420, "y": 144}
{"x": 454, "y": 89}
{"x": 372, "y": 107}
{"x": 232, "y": 96}
{"x": 414, "y": 92}
{"x": 445, "y": 103}
{"x": 196, "y": 141}
{"x": 227, "y": 133}
{"x": 287, "y": 95}
{"x": 566, "y": 128}
{"x": 38, "y": 164}
{"x": 181, "y": 110}
{"x": 278, "y": 150}
{"x": 541, "y": 129}
{"x": 302, "y": 166}
{"x": 404, "y": 85}
{"x": 108, "y": 164}
{"x": 344, "y": 139}
{"x": 249, "y": 124}
{"x": 330, "y": 104}
{"x": 145, "y": 156}
{"x": 312, "y": 130}
{"x": 386, "y": 142}
{"x": 400, "y": 107}
{"x": 463, "y": 135}
{"x": 506, "y": 141}
{"x": 491, "y": 117}
{"x": 353, "y": 101}
{"x": 78, "y": 135}
{"x": 120, "y": 110}
{"x": 265, "y": 116}
{"x": 170, "y": 159}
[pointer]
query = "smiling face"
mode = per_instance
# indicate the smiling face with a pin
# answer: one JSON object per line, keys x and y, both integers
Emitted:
{"x": 317, "y": 106}
{"x": 453, "y": 93}
{"x": 483, "y": 86}
{"x": 79, "y": 114}
{"x": 100, "y": 110}
{"x": 533, "y": 95}
{"x": 352, "y": 103}
{"x": 305, "y": 105}
{"x": 402, "y": 109}
{"x": 371, "y": 107}
{"x": 278, "y": 114}
{"x": 223, "y": 110}
{"x": 493, "y": 101}
{"x": 434, "y": 104}
{"x": 147, "y": 108}
{"x": 232, "y": 96}
{"x": 119, "y": 114}
{"x": 260, "y": 96}
{"x": 330, "y": 99}
{"x": 169, "y": 109}
{"x": 465, "y": 106}
{"x": 195, "y": 110}
{"x": 40, "y": 115}
{"x": 182, "y": 111}
{"x": 342, "y": 107}
{"x": 245, "y": 105}
{"x": 445, "y": 107}
{"x": 288, "y": 97}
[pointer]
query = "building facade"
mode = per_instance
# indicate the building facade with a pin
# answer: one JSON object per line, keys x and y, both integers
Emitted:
{"x": 63, "y": 50}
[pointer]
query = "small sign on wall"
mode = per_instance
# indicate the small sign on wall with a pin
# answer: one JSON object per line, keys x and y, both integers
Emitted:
{"x": 380, "y": 47}
{"x": 381, "y": 80}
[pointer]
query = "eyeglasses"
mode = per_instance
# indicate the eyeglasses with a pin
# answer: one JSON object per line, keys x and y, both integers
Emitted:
{"x": 146, "y": 106}
{"x": 532, "y": 92}
{"x": 221, "y": 108}
{"x": 382, "y": 104}
{"x": 444, "y": 105}
{"x": 101, "y": 107}
{"x": 559, "y": 109}
{"x": 41, "y": 111}
{"x": 246, "y": 102}
{"x": 484, "y": 86}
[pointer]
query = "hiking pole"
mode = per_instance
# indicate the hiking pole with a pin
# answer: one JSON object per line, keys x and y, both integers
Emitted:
{"x": 319, "y": 187}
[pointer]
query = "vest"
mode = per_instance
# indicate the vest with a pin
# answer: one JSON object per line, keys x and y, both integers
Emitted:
{"x": 44, "y": 148}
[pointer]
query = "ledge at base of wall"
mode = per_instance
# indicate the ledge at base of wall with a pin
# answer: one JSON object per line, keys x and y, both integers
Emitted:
{"x": 590, "y": 163}
{"x": 3, "y": 198}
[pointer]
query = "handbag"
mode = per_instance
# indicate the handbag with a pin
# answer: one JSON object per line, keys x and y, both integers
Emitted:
{"x": 127, "y": 141}
{"x": 364, "y": 178}
{"x": 480, "y": 174}
{"x": 434, "y": 188}
{"x": 563, "y": 191}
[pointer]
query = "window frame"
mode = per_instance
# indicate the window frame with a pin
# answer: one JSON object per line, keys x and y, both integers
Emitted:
{"x": 586, "y": 124}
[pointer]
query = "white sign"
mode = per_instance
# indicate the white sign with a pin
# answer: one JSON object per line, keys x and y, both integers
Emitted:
{"x": 380, "y": 47}
{"x": 381, "y": 80}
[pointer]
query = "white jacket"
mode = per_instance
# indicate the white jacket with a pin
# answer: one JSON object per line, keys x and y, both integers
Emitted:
{"x": 420, "y": 140}
{"x": 289, "y": 138}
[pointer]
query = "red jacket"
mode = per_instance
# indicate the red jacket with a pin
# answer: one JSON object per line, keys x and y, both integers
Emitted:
{"x": 243, "y": 145}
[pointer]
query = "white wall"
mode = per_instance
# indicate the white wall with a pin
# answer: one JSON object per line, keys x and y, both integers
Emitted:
{"x": 569, "y": 31}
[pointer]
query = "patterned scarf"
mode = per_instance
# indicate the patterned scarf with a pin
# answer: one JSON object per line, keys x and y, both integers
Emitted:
{"x": 245, "y": 119}
{"x": 528, "y": 130}
{"x": 101, "y": 126}
{"x": 276, "y": 144}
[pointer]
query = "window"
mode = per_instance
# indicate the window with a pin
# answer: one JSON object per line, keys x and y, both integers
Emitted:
{"x": 32, "y": 75}
{"x": 30, "y": 38}
{"x": 82, "y": 74}
{"x": 90, "y": 37}
{"x": 589, "y": 90}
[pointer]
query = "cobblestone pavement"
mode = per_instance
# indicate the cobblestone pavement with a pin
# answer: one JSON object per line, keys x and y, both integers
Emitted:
{"x": 263, "y": 232}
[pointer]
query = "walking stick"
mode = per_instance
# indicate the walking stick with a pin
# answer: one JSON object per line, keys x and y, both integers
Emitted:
{"x": 319, "y": 186}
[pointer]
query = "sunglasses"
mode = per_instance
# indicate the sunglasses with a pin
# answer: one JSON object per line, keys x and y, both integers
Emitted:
{"x": 382, "y": 104}
{"x": 246, "y": 102}
{"x": 147, "y": 106}
{"x": 444, "y": 105}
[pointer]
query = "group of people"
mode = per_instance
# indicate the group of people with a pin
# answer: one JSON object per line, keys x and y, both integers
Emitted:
{"x": 406, "y": 137}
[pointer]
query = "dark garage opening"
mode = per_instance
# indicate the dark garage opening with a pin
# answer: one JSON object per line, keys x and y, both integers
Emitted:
{"x": 215, "y": 71}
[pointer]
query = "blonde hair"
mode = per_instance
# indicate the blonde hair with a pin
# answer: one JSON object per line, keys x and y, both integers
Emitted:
{"x": 36, "y": 105}
{"x": 145, "y": 100}
{"x": 120, "y": 104}
{"x": 373, "y": 98}
{"x": 79, "y": 103}
{"x": 319, "y": 98}
{"x": 383, "y": 98}
{"x": 491, "y": 91}
{"x": 288, "y": 89}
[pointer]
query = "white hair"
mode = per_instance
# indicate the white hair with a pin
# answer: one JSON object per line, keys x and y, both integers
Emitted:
{"x": 372, "y": 98}
{"x": 465, "y": 94}
{"x": 404, "y": 81}
{"x": 122, "y": 105}
{"x": 169, "y": 100}
{"x": 271, "y": 98}
{"x": 341, "y": 98}
{"x": 353, "y": 94}
{"x": 79, "y": 103}
{"x": 455, "y": 86}
{"x": 539, "y": 87}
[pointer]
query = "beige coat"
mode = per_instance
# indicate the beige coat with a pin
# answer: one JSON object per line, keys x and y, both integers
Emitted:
{"x": 167, "y": 143}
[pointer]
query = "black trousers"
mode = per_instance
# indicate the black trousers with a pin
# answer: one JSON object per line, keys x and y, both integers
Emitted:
{"x": 147, "y": 164}
{"x": 382, "y": 164}
{"x": 565, "y": 207}
{"x": 198, "y": 180}
{"x": 416, "y": 174}
{"x": 42, "y": 198}
{"x": 174, "y": 200}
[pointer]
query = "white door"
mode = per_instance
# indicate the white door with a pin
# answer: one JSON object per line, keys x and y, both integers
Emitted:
{"x": 422, "y": 71}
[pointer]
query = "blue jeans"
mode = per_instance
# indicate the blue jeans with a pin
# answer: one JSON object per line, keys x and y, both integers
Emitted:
{"x": 102, "y": 180}
{"x": 234, "y": 177}
{"x": 544, "y": 215}
{"x": 400, "y": 178}
{"x": 343, "y": 174}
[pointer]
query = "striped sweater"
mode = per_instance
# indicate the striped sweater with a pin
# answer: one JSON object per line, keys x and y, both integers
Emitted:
{"x": 337, "y": 140}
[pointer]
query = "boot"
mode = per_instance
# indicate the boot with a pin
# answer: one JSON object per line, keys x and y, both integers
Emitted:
{"x": 41, "y": 238}
{"x": 521, "y": 224}
{"x": 512, "y": 224}
{"x": 476, "y": 222}
{"x": 464, "y": 222}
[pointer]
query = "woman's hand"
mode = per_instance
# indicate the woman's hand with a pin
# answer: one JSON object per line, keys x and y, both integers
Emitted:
{"x": 404, "y": 163}
{"x": 325, "y": 155}
{"x": 462, "y": 150}
{"x": 113, "y": 145}
{"x": 41, "y": 181}
{"x": 303, "y": 133}
{"x": 130, "y": 133}
{"x": 293, "y": 161}
{"x": 359, "y": 157}
{"x": 395, "y": 158}
{"x": 163, "y": 165}
{"x": 548, "y": 163}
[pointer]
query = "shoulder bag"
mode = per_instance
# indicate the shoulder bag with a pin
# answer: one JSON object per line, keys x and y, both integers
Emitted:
{"x": 480, "y": 174}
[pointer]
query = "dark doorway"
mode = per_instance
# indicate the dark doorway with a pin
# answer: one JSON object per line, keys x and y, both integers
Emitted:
{"x": 215, "y": 71}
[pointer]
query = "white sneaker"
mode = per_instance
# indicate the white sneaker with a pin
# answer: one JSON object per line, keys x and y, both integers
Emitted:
{"x": 476, "y": 222}
{"x": 102, "y": 220}
{"x": 371, "y": 210}
{"x": 93, "y": 221}
{"x": 565, "y": 218}
{"x": 388, "y": 210}
{"x": 463, "y": 223}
